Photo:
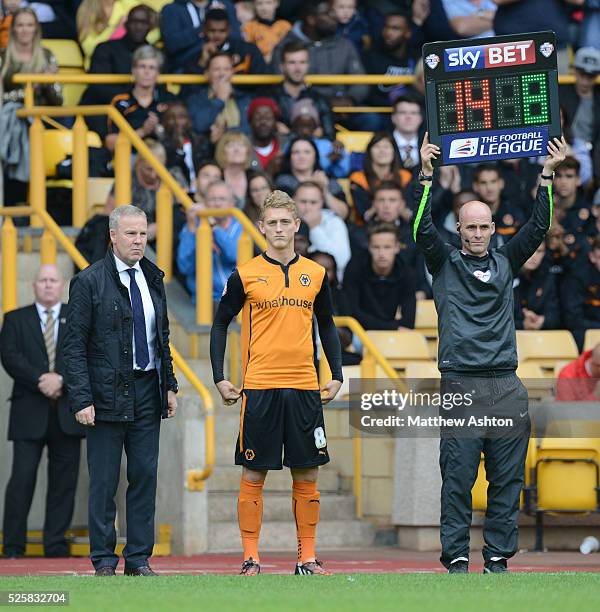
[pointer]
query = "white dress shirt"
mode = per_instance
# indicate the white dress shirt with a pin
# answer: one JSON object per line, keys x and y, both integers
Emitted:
{"x": 402, "y": 143}
{"x": 149, "y": 313}
{"x": 43, "y": 316}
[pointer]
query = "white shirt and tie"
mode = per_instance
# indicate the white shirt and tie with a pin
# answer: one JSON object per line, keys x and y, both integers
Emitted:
{"x": 149, "y": 314}
{"x": 43, "y": 315}
{"x": 409, "y": 149}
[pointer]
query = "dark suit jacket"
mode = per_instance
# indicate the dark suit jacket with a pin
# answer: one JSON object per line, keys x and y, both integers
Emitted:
{"x": 23, "y": 354}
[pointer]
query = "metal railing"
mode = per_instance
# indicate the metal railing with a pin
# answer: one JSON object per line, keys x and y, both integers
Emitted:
{"x": 52, "y": 235}
{"x": 122, "y": 165}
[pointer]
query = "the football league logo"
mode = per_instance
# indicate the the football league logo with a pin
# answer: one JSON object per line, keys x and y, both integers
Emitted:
{"x": 249, "y": 454}
{"x": 432, "y": 60}
{"x": 546, "y": 49}
{"x": 463, "y": 147}
{"x": 304, "y": 280}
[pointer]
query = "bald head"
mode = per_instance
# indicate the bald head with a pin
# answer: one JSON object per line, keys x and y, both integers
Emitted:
{"x": 475, "y": 227}
{"x": 48, "y": 285}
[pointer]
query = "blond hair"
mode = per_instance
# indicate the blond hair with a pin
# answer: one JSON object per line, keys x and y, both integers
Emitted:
{"x": 91, "y": 17}
{"x": 12, "y": 61}
{"x": 225, "y": 140}
{"x": 279, "y": 199}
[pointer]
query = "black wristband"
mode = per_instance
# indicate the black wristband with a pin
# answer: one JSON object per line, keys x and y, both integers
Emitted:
{"x": 424, "y": 177}
{"x": 548, "y": 178}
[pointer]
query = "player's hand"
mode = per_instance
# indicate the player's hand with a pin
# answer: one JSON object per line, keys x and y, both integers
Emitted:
{"x": 171, "y": 404}
{"x": 229, "y": 392}
{"x": 557, "y": 151}
{"x": 429, "y": 152}
{"x": 86, "y": 416}
{"x": 330, "y": 390}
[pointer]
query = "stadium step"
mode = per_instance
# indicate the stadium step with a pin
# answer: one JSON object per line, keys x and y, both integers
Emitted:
{"x": 227, "y": 479}
{"x": 281, "y": 535}
{"x": 222, "y": 507}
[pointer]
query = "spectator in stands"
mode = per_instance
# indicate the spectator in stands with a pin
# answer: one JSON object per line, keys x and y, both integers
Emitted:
{"x": 472, "y": 18}
{"x": 116, "y": 57}
{"x": 381, "y": 163}
{"x": 327, "y": 231}
{"x": 31, "y": 348}
{"x": 340, "y": 305}
{"x": 246, "y": 57}
{"x": 351, "y": 24}
{"x": 407, "y": 119}
{"x": 263, "y": 114}
{"x": 145, "y": 184}
{"x": 9, "y": 8}
{"x": 572, "y": 209}
{"x": 102, "y": 20}
{"x": 217, "y": 107}
{"x": 488, "y": 185}
{"x": 580, "y": 295}
{"x": 380, "y": 287}
{"x": 145, "y": 103}
{"x": 207, "y": 173}
{"x": 302, "y": 240}
{"x": 330, "y": 55}
{"x": 305, "y": 122}
{"x": 388, "y": 206}
{"x": 24, "y": 53}
{"x": 577, "y": 149}
{"x": 392, "y": 55}
{"x": 581, "y": 101}
{"x": 260, "y": 186}
{"x": 226, "y": 232}
{"x": 182, "y": 28}
{"x": 537, "y": 16}
{"x": 265, "y": 30}
{"x": 234, "y": 155}
{"x": 578, "y": 380}
{"x": 294, "y": 67}
{"x": 57, "y": 17}
{"x": 185, "y": 149}
{"x": 300, "y": 164}
{"x": 244, "y": 11}
{"x": 535, "y": 294}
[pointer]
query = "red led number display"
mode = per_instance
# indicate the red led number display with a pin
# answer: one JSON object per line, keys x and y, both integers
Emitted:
{"x": 472, "y": 105}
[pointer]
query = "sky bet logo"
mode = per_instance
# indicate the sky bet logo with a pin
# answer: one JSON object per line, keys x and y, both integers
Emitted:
{"x": 489, "y": 56}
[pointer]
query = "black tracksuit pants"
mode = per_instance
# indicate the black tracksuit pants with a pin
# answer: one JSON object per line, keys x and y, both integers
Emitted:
{"x": 500, "y": 395}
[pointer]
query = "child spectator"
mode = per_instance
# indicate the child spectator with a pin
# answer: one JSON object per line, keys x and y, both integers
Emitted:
{"x": 265, "y": 31}
{"x": 350, "y": 24}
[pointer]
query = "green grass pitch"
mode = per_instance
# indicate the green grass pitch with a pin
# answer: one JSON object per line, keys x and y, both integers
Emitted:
{"x": 348, "y": 593}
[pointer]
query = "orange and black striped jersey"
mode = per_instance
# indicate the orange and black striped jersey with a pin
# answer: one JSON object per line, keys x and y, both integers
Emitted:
{"x": 278, "y": 303}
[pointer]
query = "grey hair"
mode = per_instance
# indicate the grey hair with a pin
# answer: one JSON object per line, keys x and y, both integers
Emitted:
{"x": 222, "y": 184}
{"x": 124, "y": 211}
{"x": 147, "y": 52}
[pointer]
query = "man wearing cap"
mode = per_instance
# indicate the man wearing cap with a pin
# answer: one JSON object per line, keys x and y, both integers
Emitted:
{"x": 295, "y": 62}
{"x": 263, "y": 114}
{"x": 305, "y": 121}
{"x": 581, "y": 101}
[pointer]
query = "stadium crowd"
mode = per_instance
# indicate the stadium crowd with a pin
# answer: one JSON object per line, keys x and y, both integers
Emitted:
{"x": 230, "y": 146}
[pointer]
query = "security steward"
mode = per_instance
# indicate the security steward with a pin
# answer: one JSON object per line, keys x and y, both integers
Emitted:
{"x": 477, "y": 357}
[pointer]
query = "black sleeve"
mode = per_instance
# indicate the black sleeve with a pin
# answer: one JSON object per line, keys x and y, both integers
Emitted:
{"x": 425, "y": 235}
{"x": 361, "y": 198}
{"x": 231, "y": 303}
{"x": 330, "y": 340}
{"x": 573, "y": 292}
{"x": 407, "y": 299}
{"x": 525, "y": 242}
{"x": 16, "y": 364}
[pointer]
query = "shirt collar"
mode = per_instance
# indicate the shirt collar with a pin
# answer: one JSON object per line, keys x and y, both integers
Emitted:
{"x": 402, "y": 142}
{"x": 54, "y": 309}
{"x": 122, "y": 266}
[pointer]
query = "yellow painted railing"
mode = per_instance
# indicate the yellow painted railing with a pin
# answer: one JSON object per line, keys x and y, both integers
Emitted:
{"x": 371, "y": 357}
{"x": 122, "y": 165}
{"x": 51, "y": 235}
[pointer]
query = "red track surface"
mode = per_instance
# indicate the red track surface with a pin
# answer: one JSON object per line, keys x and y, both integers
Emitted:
{"x": 372, "y": 561}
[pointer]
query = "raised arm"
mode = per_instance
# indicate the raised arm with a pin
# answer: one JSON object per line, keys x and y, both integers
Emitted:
{"x": 524, "y": 244}
{"x": 425, "y": 235}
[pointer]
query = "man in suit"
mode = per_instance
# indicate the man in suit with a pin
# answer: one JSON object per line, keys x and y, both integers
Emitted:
{"x": 31, "y": 348}
{"x": 121, "y": 382}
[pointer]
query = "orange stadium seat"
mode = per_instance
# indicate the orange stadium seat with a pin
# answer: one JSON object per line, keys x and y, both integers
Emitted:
{"x": 355, "y": 142}
{"x": 401, "y": 347}
{"x": 70, "y": 61}
{"x": 592, "y": 337}
{"x": 546, "y": 348}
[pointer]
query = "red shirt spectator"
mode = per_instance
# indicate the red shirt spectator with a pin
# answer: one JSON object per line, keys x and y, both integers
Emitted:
{"x": 578, "y": 380}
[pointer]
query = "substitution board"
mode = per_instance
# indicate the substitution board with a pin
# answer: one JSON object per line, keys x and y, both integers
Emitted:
{"x": 492, "y": 98}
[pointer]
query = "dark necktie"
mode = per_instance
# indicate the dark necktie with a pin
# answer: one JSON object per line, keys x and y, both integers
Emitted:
{"x": 49, "y": 340}
{"x": 142, "y": 358}
{"x": 409, "y": 162}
